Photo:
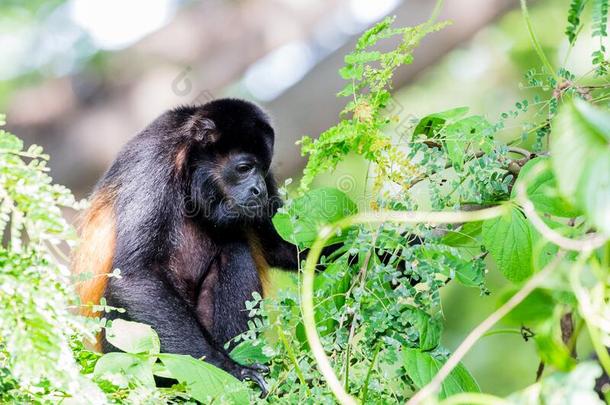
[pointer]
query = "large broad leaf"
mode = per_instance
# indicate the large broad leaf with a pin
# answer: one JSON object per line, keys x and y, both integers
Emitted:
{"x": 304, "y": 217}
{"x": 594, "y": 192}
{"x": 124, "y": 368}
{"x": 542, "y": 189}
{"x": 431, "y": 124}
{"x": 467, "y": 135}
{"x": 508, "y": 239}
{"x": 205, "y": 382}
{"x": 247, "y": 353}
{"x": 581, "y": 132}
{"x": 133, "y": 337}
{"x": 421, "y": 367}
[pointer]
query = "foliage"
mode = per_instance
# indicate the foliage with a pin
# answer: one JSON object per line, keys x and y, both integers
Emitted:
{"x": 36, "y": 325}
{"x": 540, "y": 218}
{"x": 369, "y": 74}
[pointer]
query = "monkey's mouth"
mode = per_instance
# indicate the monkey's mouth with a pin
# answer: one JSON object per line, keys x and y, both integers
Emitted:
{"x": 248, "y": 208}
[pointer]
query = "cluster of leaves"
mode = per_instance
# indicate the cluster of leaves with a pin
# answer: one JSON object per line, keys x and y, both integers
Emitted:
{"x": 129, "y": 376}
{"x": 369, "y": 74}
{"x": 36, "y": 324}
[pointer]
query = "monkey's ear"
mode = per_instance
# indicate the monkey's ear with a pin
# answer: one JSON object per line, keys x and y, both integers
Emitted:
{"x": 203, "y": 130}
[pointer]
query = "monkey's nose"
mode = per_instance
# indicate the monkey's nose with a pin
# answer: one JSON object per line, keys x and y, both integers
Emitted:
{"x": 255, "y": 190}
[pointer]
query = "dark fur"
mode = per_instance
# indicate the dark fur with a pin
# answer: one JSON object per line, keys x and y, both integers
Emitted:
{"x": 186, "y": 261}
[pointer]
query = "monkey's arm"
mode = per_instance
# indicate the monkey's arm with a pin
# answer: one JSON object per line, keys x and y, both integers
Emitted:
{"x": 283, "y": 254}
{"x": 277, "y": 251}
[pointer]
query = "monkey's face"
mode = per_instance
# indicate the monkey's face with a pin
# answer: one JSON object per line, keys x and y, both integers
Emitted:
{"x": 244, "y": 184}
{"x": 230, "y": 188}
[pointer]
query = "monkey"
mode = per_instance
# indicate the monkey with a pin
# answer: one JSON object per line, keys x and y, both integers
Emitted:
{"x": 185, "y": 213}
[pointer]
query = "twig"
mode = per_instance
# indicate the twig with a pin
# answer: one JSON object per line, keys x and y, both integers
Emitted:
{"x": 540, "y": 370}
{"x": 521, "y": 151}
{"x": 365, "y": 388}
{"x": 293, "y": 358}
{"x": 480, "y": 330}
{"x": 567, "y": 330}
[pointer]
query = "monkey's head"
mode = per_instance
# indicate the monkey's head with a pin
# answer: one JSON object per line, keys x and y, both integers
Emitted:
{"x": 228, "y": 180}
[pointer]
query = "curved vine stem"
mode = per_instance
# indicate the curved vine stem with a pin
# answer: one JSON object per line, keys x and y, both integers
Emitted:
{"x": 327, "y": 232}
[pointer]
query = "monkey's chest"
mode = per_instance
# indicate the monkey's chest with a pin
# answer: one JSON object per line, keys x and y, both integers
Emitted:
{"x": 217, "y": 282}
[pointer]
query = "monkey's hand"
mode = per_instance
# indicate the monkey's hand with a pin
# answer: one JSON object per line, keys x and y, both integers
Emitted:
{"x": 255, "y": 372}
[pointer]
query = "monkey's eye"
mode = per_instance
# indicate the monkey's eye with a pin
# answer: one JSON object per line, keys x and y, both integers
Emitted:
{"x": 243, "y": 168}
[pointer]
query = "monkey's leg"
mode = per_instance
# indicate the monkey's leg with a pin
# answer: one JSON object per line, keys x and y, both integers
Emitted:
{"x": 147, "y": 299}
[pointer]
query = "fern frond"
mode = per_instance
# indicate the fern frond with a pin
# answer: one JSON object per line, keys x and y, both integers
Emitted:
{"x": 574, "y": 13}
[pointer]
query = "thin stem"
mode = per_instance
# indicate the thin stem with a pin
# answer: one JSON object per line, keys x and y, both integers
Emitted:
{"x": 436, "y": 11}
{"x": 521, "y": 151}
{"x": 327, "y": 232}
{"x": 293, "y": 358}
{"x": 478, "y": 332}
{"x": 540, "y": 370}
{"x": 503, "y": 332}
{"x": 365, "y": 389}
{"x": 535, "y": 43}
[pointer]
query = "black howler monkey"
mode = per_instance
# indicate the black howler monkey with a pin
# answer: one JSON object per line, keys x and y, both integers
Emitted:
{"x": 185, "y": 213}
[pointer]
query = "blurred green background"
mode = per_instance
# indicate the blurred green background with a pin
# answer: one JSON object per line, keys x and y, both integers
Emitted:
{"x": 80, "y": 77}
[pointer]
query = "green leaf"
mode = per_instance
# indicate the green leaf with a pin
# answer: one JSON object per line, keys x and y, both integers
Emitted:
{"x": 421, "y": 367}
{"x": 469, "y": 275}
{"x": 594, "y": 192}
{"x": 537, "y": 307}
{"x": 431, "y": 124}
{"x": 553, "y": 352}
{"x": 205, "y": 382}
{"x": 330, "y": 286}
{"x": 429, "y": 329}
{"x": 133, "y": 337}
{"x": 542, "y": 189}
{"x": 509, "y": 241}
{"x": 9, "y": 142}
{"x": 247, "y": 353}
{"x": 465, "y": 237}
{"x": 304, "y": 217}
{"x": 581, "y": 132}
{"x": 467, "y": 135}
{"x": 125, "y": 368}
{"x": 576, "y": 7}
{"x": 362, "y": 57}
